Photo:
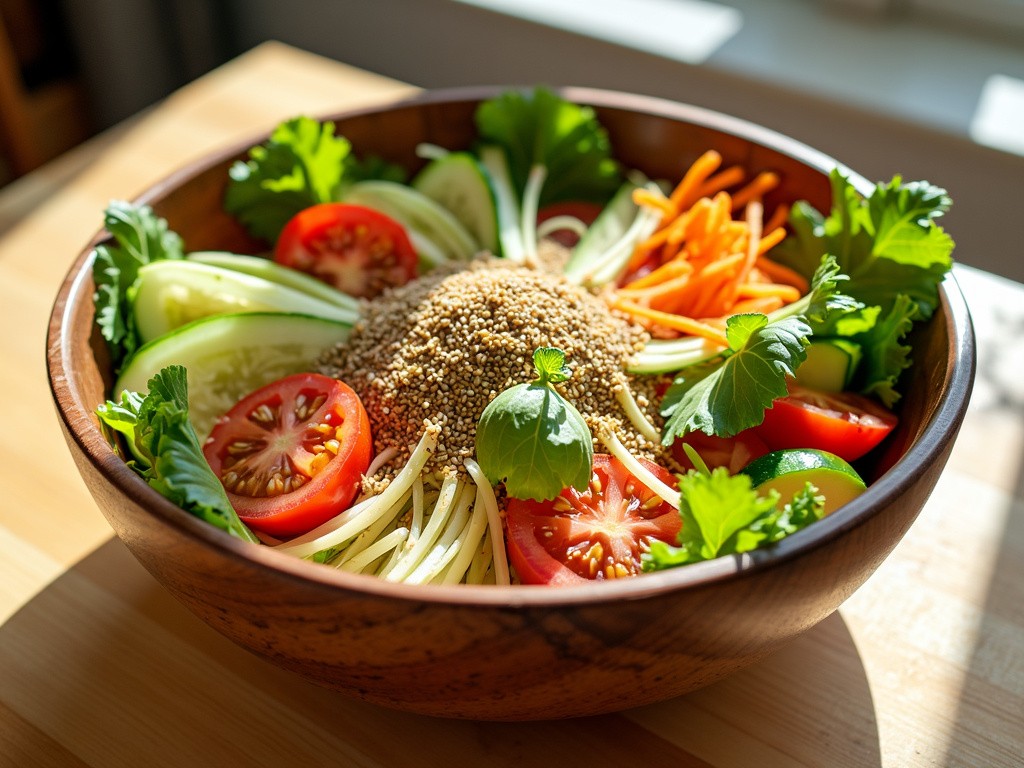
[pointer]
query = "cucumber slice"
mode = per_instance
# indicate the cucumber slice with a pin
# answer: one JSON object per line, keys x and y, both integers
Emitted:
{"x": 258, "y": 266}
{"x": 229, "y": 356}
{"x": 415, "y": 211}
{"x": 830, "y": 365}
{"x": 506, "y": 202}
{"x": 173, "y": 292}
{"x": 458, "y": 182}
{"x": 787, "y": 471}
{"x": 607, "y": 244}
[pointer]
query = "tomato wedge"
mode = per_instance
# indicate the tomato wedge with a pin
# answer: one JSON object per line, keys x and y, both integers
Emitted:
{"x": 594, "y": 535}
{"x": 356, "y": 249}
{"x": 291, "y": 455}
{"x": 733, "y": 453}
{"x": 846, "y": 424}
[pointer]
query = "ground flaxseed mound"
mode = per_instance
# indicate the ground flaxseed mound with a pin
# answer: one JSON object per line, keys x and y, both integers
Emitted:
{"x": 440, "y": 348}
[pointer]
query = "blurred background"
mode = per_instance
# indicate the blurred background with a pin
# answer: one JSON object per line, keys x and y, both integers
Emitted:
{"x": 930, "y": 89}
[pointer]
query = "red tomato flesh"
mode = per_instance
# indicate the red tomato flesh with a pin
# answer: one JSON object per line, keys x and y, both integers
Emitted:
{"x": 733, "y": 453}
{"x": 356, "y": 249}
{"x": 595, "y": 534}
{"x": 291, "y": 455}
{"x": 846, "y": 424}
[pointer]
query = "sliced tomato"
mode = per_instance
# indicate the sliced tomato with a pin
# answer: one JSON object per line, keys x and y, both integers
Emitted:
{"x": 846, "y": 424}
{"x": 291, "y": 455}
{"x": 733, "y": 453}
{"x": 356, "y": 249}
{"x": 584, "y": 211}
{"x": 596, "y": 534}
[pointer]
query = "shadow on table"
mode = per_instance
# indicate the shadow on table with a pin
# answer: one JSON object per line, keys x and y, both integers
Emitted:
{"x": 105, "y": 666}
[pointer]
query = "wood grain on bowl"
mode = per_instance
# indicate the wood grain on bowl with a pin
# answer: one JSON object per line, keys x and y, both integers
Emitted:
{"x": 514, "y": 653}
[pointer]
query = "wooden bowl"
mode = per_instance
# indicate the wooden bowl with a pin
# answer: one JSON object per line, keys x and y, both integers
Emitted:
{"x": 515, "y": 653}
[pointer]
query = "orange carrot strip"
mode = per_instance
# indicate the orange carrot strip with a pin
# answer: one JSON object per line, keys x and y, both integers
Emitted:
{"x": 652, "y": 296}
{"x": 782, "y": 274}
{"x": 778, "y": 218}
{"x": 763, "y": 182}
{"x": 702, "y": 167}
{"x": 644, "y": 196}
{"x": 787, "y": 293}
{"x": 666, "y": 271}
{"x": 675, "y": 322}
{"x": 723, "y": 180}
{"x": 769, "y": 241}
{"x": 763, "y": 304}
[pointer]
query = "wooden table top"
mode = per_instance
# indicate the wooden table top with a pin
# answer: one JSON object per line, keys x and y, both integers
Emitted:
{"x": 99, "y": 666}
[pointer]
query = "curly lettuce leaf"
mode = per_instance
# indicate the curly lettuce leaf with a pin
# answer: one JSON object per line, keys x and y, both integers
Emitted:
{"x": 166, "y": 452}
{"x": 539, "y": 128}
{"x": 303, "y": 163}
{"x": 140, "y": 237}
{"x": 300, "y": 165}
{"x": 887, "y": 243}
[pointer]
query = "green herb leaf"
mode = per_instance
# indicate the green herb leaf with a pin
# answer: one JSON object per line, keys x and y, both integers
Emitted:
{"x": 140, "y": 237}
{"x": 723, "y": 398}
{"x": 533, "y": 439}
{"x": 723, "y": 514}
{"x": 300, "y": 165}
{"x": 166, "y": 452}
{"x": 539, "y": 128}
{"x": 303, "y": 163}
{"x": 888, "y": 243}
{"x": 726, "y": 395}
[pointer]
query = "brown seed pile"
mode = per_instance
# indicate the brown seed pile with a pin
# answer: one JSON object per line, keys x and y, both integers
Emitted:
{"x": 440, "y": 348}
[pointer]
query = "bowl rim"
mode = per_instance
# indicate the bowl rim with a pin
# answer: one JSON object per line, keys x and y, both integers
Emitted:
{"x": 82, "y": 427}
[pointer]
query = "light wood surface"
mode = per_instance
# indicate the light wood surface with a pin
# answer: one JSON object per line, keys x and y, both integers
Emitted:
{"x": 99, "y": 666}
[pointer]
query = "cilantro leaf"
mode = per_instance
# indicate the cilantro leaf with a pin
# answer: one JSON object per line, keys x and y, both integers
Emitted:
{"x": 166, "y": 451}
{"x": 140, "y": 237}
{"x": 725, "y": 397}
{"x": 539, "y": 128}
{"x": 723, "y": 514}
{"x": 532, "y": 438}
{"x": 300, "y": 165}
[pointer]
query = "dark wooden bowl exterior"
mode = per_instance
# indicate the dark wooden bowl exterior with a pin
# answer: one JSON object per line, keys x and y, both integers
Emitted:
{"x": 520, "y": 652}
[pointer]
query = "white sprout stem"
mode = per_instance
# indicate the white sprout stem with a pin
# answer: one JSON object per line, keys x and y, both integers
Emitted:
{"x": 417, "y": 509}
{"x": 450, "y": 543}
{"x": 471, "y": 537}
{"x": 433, "y": 563}
{"x": 408, "y": 561}
{"x": 429, "y": 151}
{"x": 329, "y": 527}
{"x": 615, "y": 447}
{"x": 668, "y": 356}
{"x": 501, "y": 574}
{"x": 616, "y": 257}
{"x": 375, "y": 551}
{"x": 558, "y": 223}
{"x": 368, "y": 536}
{"x": 380, "y": 460}
{"x": 528, "y": 214}
{"x": 635, "y": 414}
{"x": 507, "y": 206}
{"x": 377, "y": 505}
{"x": 480, "y": 568}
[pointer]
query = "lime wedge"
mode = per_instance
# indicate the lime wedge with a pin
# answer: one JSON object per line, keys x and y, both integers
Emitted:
{"x": 787, "y": 471}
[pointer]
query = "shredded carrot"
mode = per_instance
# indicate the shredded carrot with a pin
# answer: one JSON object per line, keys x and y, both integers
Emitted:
{"x": 705, "y": 260}
{"x": 703, "y": 167}
{"x": 676, "y": 322}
